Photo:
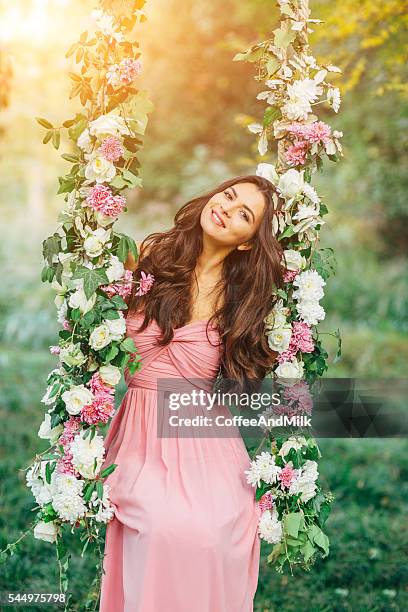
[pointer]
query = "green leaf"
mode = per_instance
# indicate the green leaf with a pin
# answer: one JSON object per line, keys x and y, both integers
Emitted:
{"x": 132, "y": 179}
{"x": 289, "y": 231}
{"x": 70, "y": 158}
{"x": 308, "y": 550}
{"x": 272, "y": 66}
{"x": 108, "y": 470}
{"x": 277, "y": 550}
{"x": 128, "y": 345}
{"x": 56, "y": 139}
{"x": 44, "y": 122}
{"x": 92, "y": 279}
{"x": 271, "y": 113}
{"x": 51, "y": 247}
{"x": 99, "y": 488}
{"x": 112, "y": 352}
{"x": 88, "y": 490}
{"x": 283, "y": 37}
{"x": 292, "y": 522}
{"x": 48, "y": 136}
{"x": 66, "y": 184}
{"x": 252, "y": 55}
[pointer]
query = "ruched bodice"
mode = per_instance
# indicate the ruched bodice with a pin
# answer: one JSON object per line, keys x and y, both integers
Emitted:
{"x": 194, "y": 352}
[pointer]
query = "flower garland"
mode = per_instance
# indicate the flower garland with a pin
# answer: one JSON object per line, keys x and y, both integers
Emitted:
{"x": 294, "y": 508}
{"x": 84, "y": 263}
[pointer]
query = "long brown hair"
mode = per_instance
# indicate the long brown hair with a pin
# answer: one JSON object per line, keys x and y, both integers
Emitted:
{"x": 248, "y": 282}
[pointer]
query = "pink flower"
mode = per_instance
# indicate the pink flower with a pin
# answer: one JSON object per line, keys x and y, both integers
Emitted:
{"x": 124, "y": 73}
{"x": 122, "y": 288}
{"x": 55, "y": 350}
{"x": 266, "y": 501}
{"x": 290, "y": 275}
{"x": 145, "y": 283}
{"x": 66, "y": 325}
{"x": 311, "y": 132}
{"x": 65, "y": 465}
{"x": 287, "y": 476}
{"x": 99, "y": 386}
{"x": 301, "y": 340}
{"x": 299, "y": 395}
{"x": 112, "y": 149}
{"x": 99, "y": 411}
{"x": 102, "y": 200}
{"x": 296, "y": 153}
{"x": 71, "y": 427}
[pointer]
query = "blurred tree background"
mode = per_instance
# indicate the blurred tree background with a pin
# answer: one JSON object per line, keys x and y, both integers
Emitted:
{"x": 195, "y": 138}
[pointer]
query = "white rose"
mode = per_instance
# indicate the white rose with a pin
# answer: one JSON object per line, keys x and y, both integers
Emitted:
{"x": 100, "y": 337}
{"x": 268, "y": 171}
{"x": 110, "y": 374}
{"x": 277, "y": 316}
{"x": 45, "y": 531}
{"x": 76, "y": 398}
{"x": 72, "y": 355}
{"x": 293, "y": 260}
{"x": 95, "y": 242}
{"x": 295, "y": 442}
{"x": 46, "y": 432}
{"x": 290, "y": 369}
{"x": 117, "y": 327}
{"x": 116, "y": 269}
{"x": 99, "y": 169}
{"x": 310, "y": 311}
{"x": 84, "y": 141}
{"x": 291, "y": 183}
{"x": 279, "y": 338}
{"x": 79, "y": 300}
{"x": 108, "y": 125}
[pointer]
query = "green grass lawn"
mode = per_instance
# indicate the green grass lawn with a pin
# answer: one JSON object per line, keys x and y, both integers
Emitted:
{"x": 367, "y": 567}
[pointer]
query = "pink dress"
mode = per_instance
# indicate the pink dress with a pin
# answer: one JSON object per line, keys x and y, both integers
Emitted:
{"x": 184, "y": 535}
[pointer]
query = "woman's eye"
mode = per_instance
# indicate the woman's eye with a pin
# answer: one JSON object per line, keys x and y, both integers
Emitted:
{"x": 227, "y": 193}
{"x": 246, "y": 217}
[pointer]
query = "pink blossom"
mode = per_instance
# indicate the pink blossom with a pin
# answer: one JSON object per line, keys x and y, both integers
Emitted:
{"x": 302, "y": 337}
{"x": 98, "y": 386}
{"x": 299, "y": 394}
{"x": 65, "y": 465}
{"x": 290, "y": 275}
{"x": 125, "y": 72}
{"x": 266, "y": 501}
{"x": 100, "y": 410}
{"x": 318, "y": 131}
{"x": 122, "y": 288}
{"x": 102, "y": 200}
{"x": 55, "y": 350}
{"x": 287, "y": 476}
{"x": 296, "y": 153}
{"x": 145, "y": 283}
{"x": 66, "y": 325}
{"x": 71, "y": 427}
{"x": 112, "y": 149}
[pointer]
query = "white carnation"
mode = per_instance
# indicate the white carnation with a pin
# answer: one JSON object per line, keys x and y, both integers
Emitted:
{"x": 69, "y": 507}
{"x": 309, "y": 286}
{"x": 268, "y": 470}
{"x": 269, "y": 527}
{"x": 305, "y": 483}
{"x": 85, "y": 451}
{"x": 310, "y": 311}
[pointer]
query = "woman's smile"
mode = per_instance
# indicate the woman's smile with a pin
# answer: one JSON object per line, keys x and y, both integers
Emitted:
{"x": 216, "y": 218}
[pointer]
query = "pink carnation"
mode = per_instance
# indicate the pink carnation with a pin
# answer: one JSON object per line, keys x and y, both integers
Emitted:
{"x": 266, "y": 501}
{"x": 125, "y": 72}
{"x": 300, "y": 396}
{"x": 290, "y": 275}
{"x": 99, "y": 387}
{"x": 55, "y": 350}
{"x": 311, "y": 132}
{"x": 71, "y": 427}
{"x": 122, "y": 288}
{"x": 296, "y": 153}
{"x": 301, "y": 340}
{"x": 65, "y": 465}
{"x": 287, "y": 476}
{"x": 145, "y": 283}
{"x": 102, "y": 200}
{"x": 99, "y": 411}
{"x": 112, "y": 149}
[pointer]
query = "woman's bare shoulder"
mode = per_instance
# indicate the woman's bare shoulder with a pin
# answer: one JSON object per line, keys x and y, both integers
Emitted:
{"x": 131, "y": 263}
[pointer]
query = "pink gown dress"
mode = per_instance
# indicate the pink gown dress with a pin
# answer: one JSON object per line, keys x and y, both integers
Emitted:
{"x": 184, "y": 534}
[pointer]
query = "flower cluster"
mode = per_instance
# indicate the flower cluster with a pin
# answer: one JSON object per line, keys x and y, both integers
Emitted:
{"x": 124, "y": 73}
{"x": 288, "y": 477}
{"x": 102, "y": 200}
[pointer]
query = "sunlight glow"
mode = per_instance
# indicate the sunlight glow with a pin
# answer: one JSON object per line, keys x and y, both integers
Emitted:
{"x": 27, "y": 21}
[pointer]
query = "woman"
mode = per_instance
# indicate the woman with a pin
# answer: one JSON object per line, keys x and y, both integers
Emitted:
{"x": 184, "y": 536}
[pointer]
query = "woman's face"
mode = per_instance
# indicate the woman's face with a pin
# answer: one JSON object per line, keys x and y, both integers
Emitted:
{"x": 231, "y": 217}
